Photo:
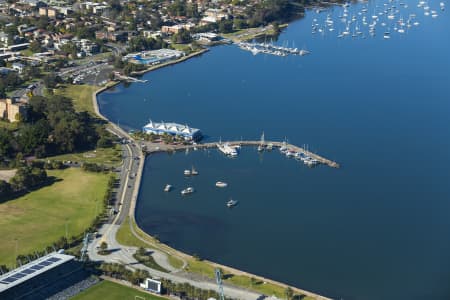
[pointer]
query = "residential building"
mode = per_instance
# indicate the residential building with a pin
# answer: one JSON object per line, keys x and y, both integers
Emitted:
{"x": 11, "y": 110}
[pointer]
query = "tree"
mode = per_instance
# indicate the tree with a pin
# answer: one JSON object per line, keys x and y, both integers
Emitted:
{"x": 5, "y": 189}
{"x": 35, "y": 47}
{"x": 182, "y": 37}
{"x": 289, "y": 293}
{"x": 103, "y": 247}
{"x": 226, "y": 26}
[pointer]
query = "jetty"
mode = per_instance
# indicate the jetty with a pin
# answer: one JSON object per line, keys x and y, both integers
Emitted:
{"x": 128, "y": 78}
{"x": 267, "y": 48}
{"x": 150, "y": 147}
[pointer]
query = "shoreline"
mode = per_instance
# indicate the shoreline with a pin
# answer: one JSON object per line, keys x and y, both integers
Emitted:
{"x": 133, "y": 201}
{"x": 169, "y": 63}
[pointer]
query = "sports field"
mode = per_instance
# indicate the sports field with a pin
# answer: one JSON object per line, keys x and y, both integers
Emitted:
{"x": 39, "y": 218}
{"x": 114, "y": 291}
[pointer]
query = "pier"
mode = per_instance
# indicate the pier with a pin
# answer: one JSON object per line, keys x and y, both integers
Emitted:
{"x": 128, "y": 78}
{"x": 151, "y": 147}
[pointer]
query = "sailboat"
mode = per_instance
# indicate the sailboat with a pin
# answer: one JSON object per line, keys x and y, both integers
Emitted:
{"x": 194, "y": 171}
{"x": 261, "y": 144}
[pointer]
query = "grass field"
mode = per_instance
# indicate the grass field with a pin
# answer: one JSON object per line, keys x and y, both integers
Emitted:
{"x": 114, "y": 291}
{"x": 39, "y": 218}
{"x": 107, "y": 156}
{"x": 80, "y": 94}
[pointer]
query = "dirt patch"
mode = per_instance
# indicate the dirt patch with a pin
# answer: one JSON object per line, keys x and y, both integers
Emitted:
{"x": 6, "y": 175}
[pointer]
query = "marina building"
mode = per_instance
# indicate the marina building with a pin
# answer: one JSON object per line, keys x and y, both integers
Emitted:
{"x": 174, "y": 129}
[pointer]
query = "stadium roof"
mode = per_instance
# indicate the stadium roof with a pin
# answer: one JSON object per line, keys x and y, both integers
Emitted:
{"x": 32, "y": 269}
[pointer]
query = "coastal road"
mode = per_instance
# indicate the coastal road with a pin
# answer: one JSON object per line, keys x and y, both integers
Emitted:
{"x": 124, "y": 255}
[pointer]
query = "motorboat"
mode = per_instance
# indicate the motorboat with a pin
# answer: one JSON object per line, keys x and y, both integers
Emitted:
{"x": 221, "y": 184}
{"x": 232, "y": 203}
{"x": 167, "y": 188}
{"x": 187, "y": 191}
{"x": 187, "y": 172}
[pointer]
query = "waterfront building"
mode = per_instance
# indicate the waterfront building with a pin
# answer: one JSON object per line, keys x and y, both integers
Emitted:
{"x": 153, "y": 57}
{"x": 174, "y": 129}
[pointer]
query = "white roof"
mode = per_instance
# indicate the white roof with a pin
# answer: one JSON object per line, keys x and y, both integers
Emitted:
{"x": 32, "y": 269}
{"x": 173, "y": 127}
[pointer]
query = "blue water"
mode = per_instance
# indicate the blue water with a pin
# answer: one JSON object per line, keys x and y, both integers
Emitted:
{"x": 378, "y": 228}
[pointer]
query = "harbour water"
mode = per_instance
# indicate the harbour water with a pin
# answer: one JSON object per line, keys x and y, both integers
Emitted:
{"x": 378, "y": 227}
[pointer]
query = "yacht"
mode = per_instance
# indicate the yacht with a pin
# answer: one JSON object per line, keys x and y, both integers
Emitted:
{"x": 187, "y": 191}
{"x": 221, "y": 184}
{"x": 232, "y": 203}
{"x": 227, "y": 149}
{"x": 290, "y": 153}
{"x": 167, "y": 188}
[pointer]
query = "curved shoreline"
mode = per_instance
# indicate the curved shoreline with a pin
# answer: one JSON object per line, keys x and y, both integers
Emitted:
{"x": 136, "y": 189}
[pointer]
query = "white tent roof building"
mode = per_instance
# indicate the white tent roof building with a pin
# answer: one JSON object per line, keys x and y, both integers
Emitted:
{"x": 188, "y": 133}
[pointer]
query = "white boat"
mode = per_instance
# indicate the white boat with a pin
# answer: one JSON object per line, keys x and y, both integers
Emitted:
{"x": 290, "y": 153}
{"x": 194, "y": 171}
{"x": 221, "y": 184}
{"x": 187, "y": 172}
{"x": 167, "y": 188}
{"x": 269, "y": 146}
{"x": 227, "y": 149}
{"x": 232, "y": 203}
{"x": 304, "y": 52}
{"x": 187, "y": 191}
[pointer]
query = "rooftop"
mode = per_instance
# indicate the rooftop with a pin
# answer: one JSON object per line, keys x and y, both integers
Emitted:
{"x": 32, "y": 269}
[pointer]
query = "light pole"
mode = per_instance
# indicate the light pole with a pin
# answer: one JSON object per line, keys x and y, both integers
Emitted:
{"x": 17, "y": 248}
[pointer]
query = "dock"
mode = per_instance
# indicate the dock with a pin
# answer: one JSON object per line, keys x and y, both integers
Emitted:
{"x": 158, "y": 147}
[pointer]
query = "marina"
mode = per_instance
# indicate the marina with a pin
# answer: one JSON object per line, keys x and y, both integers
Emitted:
{"x": 374, "y": 229}
{"x": 231, "y": 149}
{"x": 385, "y": 19}
{"x": 270, "y": 48}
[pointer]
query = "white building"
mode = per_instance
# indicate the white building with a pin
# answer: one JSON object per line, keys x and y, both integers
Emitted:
{"x": 175, "y": 129}
{"x": 152, "y": 285}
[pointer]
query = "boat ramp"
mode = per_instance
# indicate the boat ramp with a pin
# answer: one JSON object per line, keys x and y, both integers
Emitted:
{"x": 227, "y": 147}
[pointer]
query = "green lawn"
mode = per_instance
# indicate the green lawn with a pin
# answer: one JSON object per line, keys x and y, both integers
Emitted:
{"x": 107, "y": 156}
{"x": 114, "y": 291}
{"x": 125, "y": 237}
{"x": 39, "y": 218}
{"x": 81, "y": 96}
{"x": 8, "y": 125}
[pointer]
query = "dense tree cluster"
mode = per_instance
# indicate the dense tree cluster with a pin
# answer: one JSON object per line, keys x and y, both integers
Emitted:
{"x": 53, "y": 127}
{"x": 9, "y": 82}
{"x": 26, "y": 178}
{"x": 140, "y": 43}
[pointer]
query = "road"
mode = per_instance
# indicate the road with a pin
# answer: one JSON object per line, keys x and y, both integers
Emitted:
{"x": 124, "y": 254}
